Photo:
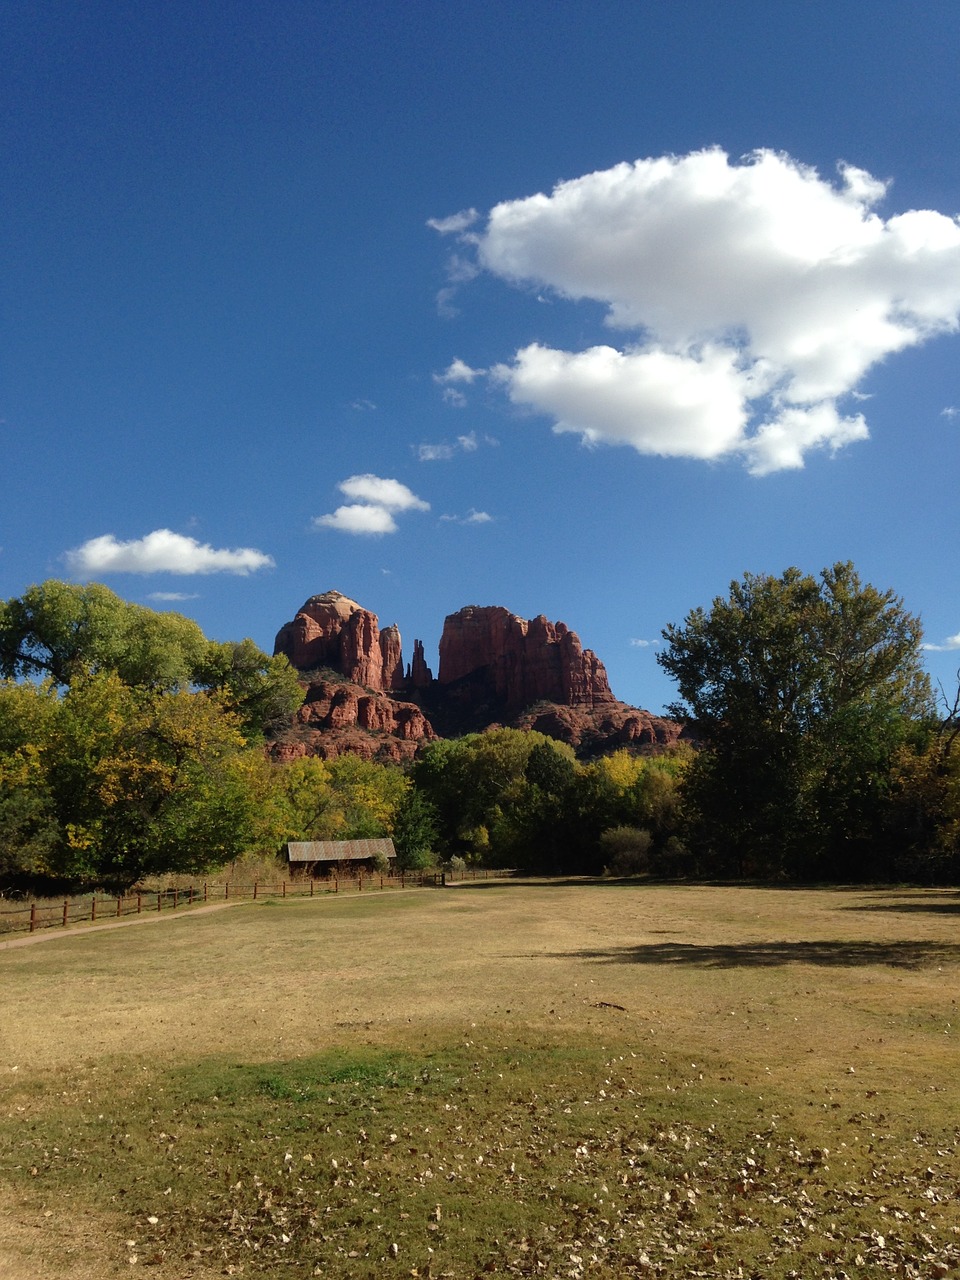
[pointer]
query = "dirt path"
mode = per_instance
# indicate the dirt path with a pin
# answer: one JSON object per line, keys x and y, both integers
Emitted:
{"x": 81, "y": 931}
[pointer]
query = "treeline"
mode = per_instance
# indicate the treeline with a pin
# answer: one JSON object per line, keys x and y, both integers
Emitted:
{"x": 130, "y": 746}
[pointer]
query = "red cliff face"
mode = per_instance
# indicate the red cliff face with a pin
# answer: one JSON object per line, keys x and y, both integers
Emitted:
{"x": 331, "y": 630}
{"x": 519, "y": 662}
{"x": 495, "y": 668}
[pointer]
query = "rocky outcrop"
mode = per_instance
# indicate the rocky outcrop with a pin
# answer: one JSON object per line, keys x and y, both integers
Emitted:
{"x": 419, "y": 675}
{"x": 518, "y": 663}
{"x": 596, "y": 730}
{"x": 331, "y": 630}
{"x": 495, "y": 668}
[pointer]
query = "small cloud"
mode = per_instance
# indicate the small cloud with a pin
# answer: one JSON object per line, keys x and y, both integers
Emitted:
{"x": 444, "y": 451}
{"x": 644, "y": 644}
{"x": 162, "y": 552}
{"x": 172, "y": 597}
{"x": 951, "y": 411}
{"x": 363, "y": 406}
{"x": 951, "y": 642}
{"x": 382, "y": 493}
{"x": 455, "y": 223}
{"x": 378, "y": 500}
{"x": 445, "y": 308}
{"x": 473, "y": 516}
{"x": 457, "y": 371}
{"x": 358, "y": 517}
{"x": 458, "y": 268}
{"x": 454, "y": 398}
{"x": 435, "y": 452}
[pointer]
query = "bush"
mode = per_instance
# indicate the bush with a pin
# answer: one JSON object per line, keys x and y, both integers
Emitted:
{"x": 626, "y": 851}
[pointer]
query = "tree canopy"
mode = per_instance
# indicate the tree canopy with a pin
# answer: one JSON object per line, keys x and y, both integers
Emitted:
{"x": 800, "y": 689}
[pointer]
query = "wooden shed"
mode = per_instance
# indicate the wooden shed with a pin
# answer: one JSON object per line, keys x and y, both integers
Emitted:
{"x": 319, "y": 857}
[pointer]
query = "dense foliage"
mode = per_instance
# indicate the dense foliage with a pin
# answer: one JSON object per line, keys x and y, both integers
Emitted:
{"x": 131, "y": 745}
{"x": 805, "y": 694}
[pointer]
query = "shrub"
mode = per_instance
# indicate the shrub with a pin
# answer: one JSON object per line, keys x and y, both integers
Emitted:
{"x": 626, "y": 851}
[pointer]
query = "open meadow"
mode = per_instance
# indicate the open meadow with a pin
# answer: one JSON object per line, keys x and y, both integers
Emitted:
{"x": 555, "y": 1079}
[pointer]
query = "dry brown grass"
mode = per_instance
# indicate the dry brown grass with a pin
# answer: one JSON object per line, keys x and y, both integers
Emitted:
{"x": 830, "y": 1000}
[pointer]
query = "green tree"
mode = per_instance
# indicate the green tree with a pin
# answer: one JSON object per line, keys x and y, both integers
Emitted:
{"x": 479, "y": 788}
{"x": 57, "y": 630}
{"x": 800, "y": 690}
{"x": 263, "y": 691}
{"x": 29, "y": 829}
{"x": 414, "y": 831}
{"x": 146, "y": 782}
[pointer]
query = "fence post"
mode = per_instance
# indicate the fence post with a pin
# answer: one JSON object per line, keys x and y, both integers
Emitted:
{"x": 336, "y": 883}
{"x": 33, "y": 916}
{"x": 139, "y": 902}
{"x": 93, "y": 908}
{"x": 66, "y": 911}
{"x": 226, "y": 888}
{"x": 254, "y": 890}
{"x": 359, "y": 882}
{"x": 158, "y": 899}
{"x": 284, "y": 892}
{"x": 176, "y": 896}
{"x": 311, "y": 886}
{"x": 204, "y": 890}
{"x": 119, "y": 905}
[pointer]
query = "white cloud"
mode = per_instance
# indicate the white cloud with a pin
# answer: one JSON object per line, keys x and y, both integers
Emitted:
{"x": 358, "y": 517}
{"x": 378, "y": 500}
{"x": 951, "y": 642}
{"x": 753, "y": 297}
{"x": 473, "y": 516}
{"x": 457, "y": 371}
{"x": 444, "y": 451}
{"x": 381, "y": 492}
{"x": 658, "y": 401}
{"x": 172, "y": 597}
{"x": 162, "y": 552}
{"x": 435, "y": 452}
{"x": 455, "y": 223}
{"x": 951, "y": 411}
{"x": 644, "y": 644}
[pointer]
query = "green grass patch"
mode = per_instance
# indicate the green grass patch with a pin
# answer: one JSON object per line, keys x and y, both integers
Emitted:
{"x": 514, "y": 1158}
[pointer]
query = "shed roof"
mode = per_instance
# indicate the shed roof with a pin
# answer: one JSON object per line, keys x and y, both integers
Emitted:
{"x": 339, "y": 850}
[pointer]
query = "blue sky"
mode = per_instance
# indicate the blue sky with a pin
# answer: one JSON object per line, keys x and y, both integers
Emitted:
{"x": 581, "y": 308}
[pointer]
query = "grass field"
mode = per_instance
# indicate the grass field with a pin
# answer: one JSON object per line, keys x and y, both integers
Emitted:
{"x": 515, "y": 1078}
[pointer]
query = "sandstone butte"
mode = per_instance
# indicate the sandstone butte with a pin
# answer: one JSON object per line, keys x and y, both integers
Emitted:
{"x": 495, "y": 669}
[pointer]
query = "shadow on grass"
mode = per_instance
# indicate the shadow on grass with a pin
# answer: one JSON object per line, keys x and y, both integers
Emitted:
{"x": 747, "y": 955}
{"x": 938, "y": 904}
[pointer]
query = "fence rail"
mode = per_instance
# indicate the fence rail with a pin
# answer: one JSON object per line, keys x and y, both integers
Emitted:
{"x": 98, "y": 906}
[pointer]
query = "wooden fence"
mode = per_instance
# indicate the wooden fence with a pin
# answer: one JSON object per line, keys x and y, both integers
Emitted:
{"x": 93, "y": 907}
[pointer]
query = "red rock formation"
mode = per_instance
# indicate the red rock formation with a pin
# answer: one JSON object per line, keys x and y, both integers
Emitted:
{"x": 338, "y": 717}
{"x": 494, "y": 668}
{"x": 419, "y": 676}
{"x": 392, "y": 657}
{"x": 595, "y": 730}
{"x": 520, "y": 662}
{"x": 330, "y": 630}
